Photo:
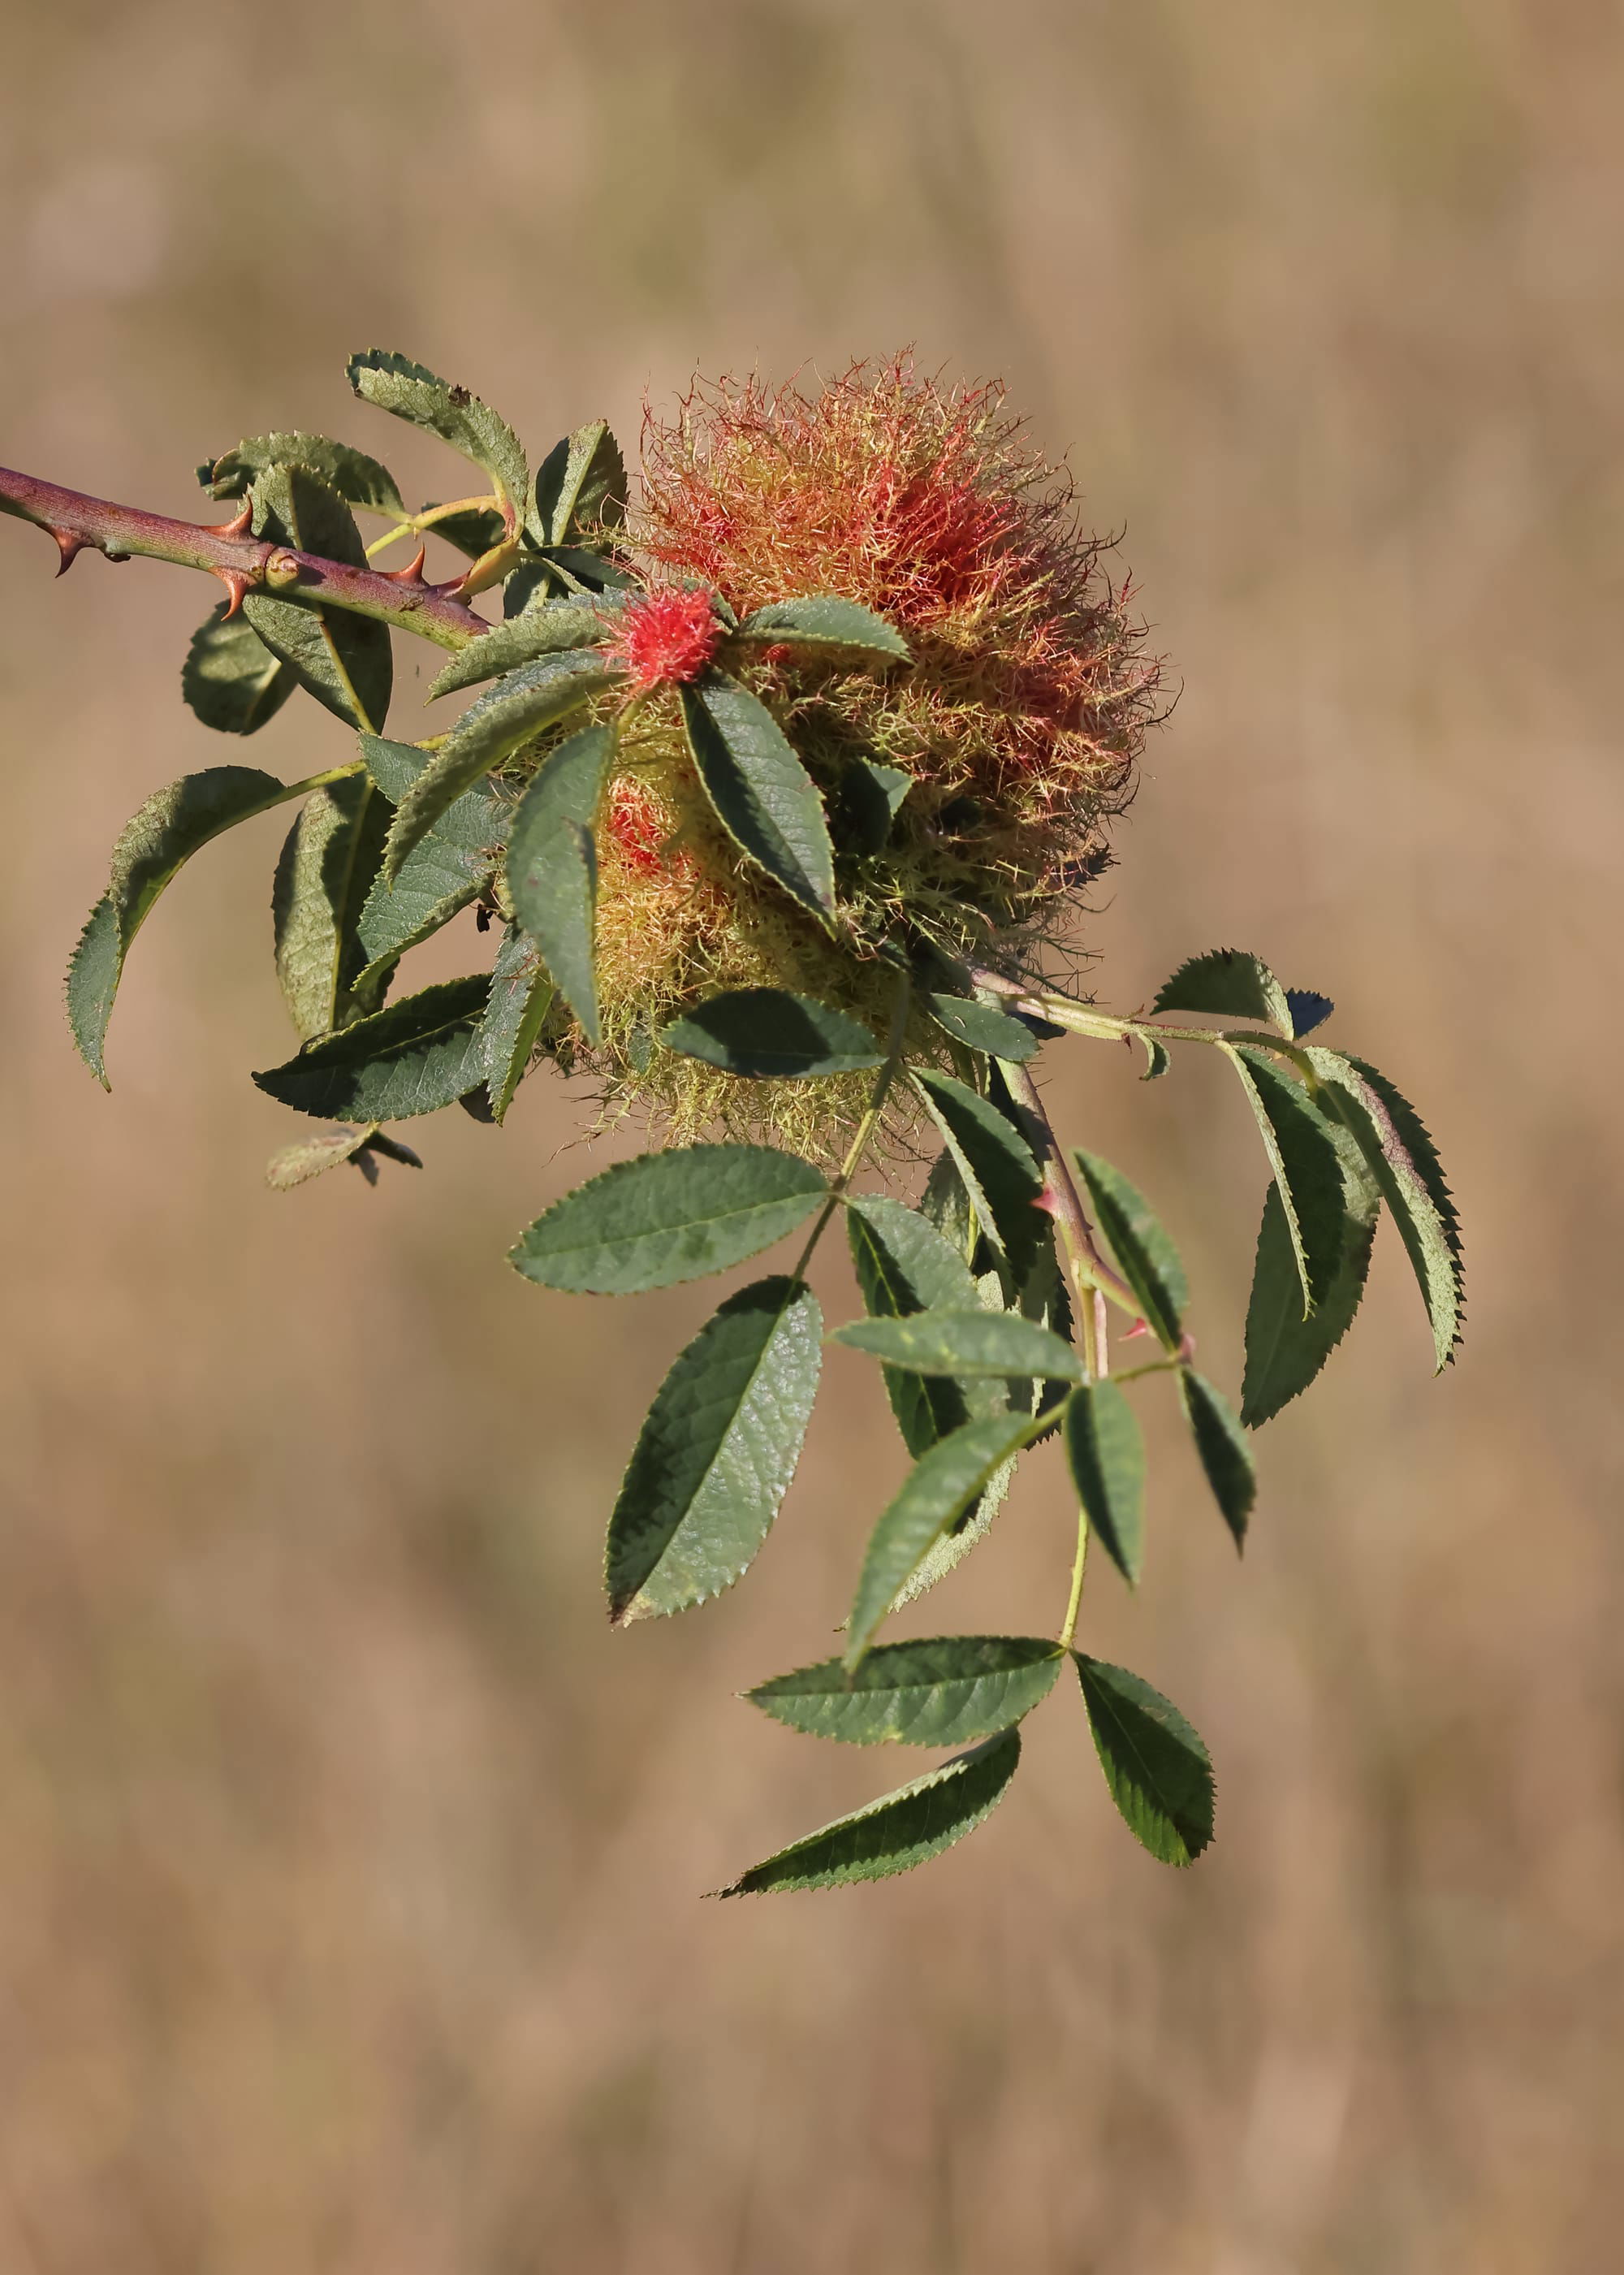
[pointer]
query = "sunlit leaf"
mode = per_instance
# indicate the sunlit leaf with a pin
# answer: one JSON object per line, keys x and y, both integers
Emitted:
{"x": 980, "y": 1028}
{"x": 325, "y": 870}
{"x": 716, "y": 1454}
{"x": 521, "y": 996}
{"x": 941, "y": 1485}
{"x": 550, "y": 628}
{"x": 968, "y": 1342}
{"x": 1232, "y": 983}
{"x": 553, "y": 864}
{"x": 1307, "y": 1173}
{"x": 357, "y": 478}
{"x": 665, "y": 1218}
{"x": 1285, "y": 1350}
{"x": 451, "y": 867}
{"x": 763, "y": 796}
{"x": 396, "y": 384}
{"x": 151, "y": 848}
{"x": 1149, "y": 1260}
{"x": 946, "y": 1692}
{"x": 1159, "y": 1773}
{"x": 906, "y": 1828}
{"x": 826, "y": 626}
{"x": 1221, "y": 1447}
{"x": 412, "y": 1057}
{"x": 1105, "y": 1449}
{"x": 580, "y": 485}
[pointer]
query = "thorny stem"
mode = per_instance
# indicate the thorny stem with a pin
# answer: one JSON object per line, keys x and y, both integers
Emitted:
{"x": 870, "y": 1122}
{"x": 1094, "y": 1275}
{"x": 242, "y": 562}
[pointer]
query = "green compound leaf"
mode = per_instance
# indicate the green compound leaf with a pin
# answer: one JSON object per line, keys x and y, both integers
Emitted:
{"x": 151, "y": 848}
{"x": 980, "y": 1028}
{"x": 345, "y": 660}
{"x": 936, "y": 1491}
{"x": 509, "y": 716}
{"x": 350, "y": 473}
{"x": 1220, "y": 1444}
{"x": 1308, "y": 1175}
{"x": 1159, "y": 1773}
{"x": 230, "y": 679}
{"x": 553, "y": 864}
{"x": 1284, "y": 1350}
{"x": 551, "y": 628}
{"x": 968, "y": 1342}
{"x": 829, "y": 627}
{"x": 946, "y": 1692}
{"x": 1105, "y": 1449}
{"x": 1149, "y": 1260}
{"x": 1230, "y": 982}
{"x": 413, "y": 1057}
{"x": 326, "y": 868}
{"x": 763, "y": 796}
{"x": 396, "y": 384}
{"x": 767, "y": 1034}
{"x": 996, "y": 1164}
{"x": 1403, "y": 1160}
{"x": 521, "y": 996}
{"x": 903, "y": 1265}
{"x": 664, "y": 1217}
{"x": 906, "y": 1828}
{"x": 580, "y": 485}
{"x": 716, "y": 1454}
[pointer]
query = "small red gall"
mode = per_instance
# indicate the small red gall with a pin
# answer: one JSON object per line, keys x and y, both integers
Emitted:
{"x": 667, "y": 639}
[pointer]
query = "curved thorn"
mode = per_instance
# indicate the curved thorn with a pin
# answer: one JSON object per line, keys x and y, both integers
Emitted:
{"x": 412, "y": 573}
{"x": 240, "y": 525}
{"x": 236, "y": 584}
{"x": 72, "y": 547}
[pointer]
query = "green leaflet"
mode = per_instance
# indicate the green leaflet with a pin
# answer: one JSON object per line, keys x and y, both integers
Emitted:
{"x": 764, "y": 1033}
{"x": 1159, "y": 1773}
{"x": 1303, "y": 1154}
{"x": 1221, "y": 1447}
{"x": 1232, "y": 983}
{"x": 968, "y": 1342}
{"x": 345, "y": 660}
{"x": 230, "y": 679}
{"x": 946, "y": 1692}
{"x": 714, "y": 1457}
{"x": 325, "y": 873}
{"x": 935, "y": 1493}
{"x": 980, "y": 1028}
{"x": 1149, "y": 1260}
{"x": 1105, "y": 1448}
{"x": 505, "y": 718}
{"x": 906, "y": 1828}
{"x": 1403, "y": 1160}
{"x": 350, "y": 473}
{"x": 553, "y": 864}
{"x": 452, "y": 866}
{"x": 412, "y": 1057}
{"x": 1284, "y": 1350}
{"x": 904, "y": 1264}
{"x": 1307, "y": 1011}
{"x": 153, "y": 845}
{"x": 995, "y": 1162}
{"x": 310, "y": 1156}
{"x": 568, "y": 572}
{"x": 396, "y": 384}
{"x": 665, "y": 1218}
{"x": 521, "y": 996}
{"x": 551, "y": 628}
{"x": 580, "y": 485}
{"x": 763, "y": 796}
{"x": 838, "y": 629}
{"x": 869, "y": 800}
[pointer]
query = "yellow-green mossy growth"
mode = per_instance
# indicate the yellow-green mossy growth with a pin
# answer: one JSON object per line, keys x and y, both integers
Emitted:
{"x": 1018, "y": 720}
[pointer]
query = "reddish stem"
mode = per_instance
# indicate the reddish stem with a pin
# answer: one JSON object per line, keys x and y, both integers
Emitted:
{"x": 241, "y": 561}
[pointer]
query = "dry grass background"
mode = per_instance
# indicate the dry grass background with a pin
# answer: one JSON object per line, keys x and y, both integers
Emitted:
{"x": 348, "y": 1865}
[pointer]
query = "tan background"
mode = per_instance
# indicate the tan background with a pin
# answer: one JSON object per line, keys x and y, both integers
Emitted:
{"x": 348, "y": 1867}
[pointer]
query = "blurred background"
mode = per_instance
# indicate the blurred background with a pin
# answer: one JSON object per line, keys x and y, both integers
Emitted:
{"x": 349, "y": 1867}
